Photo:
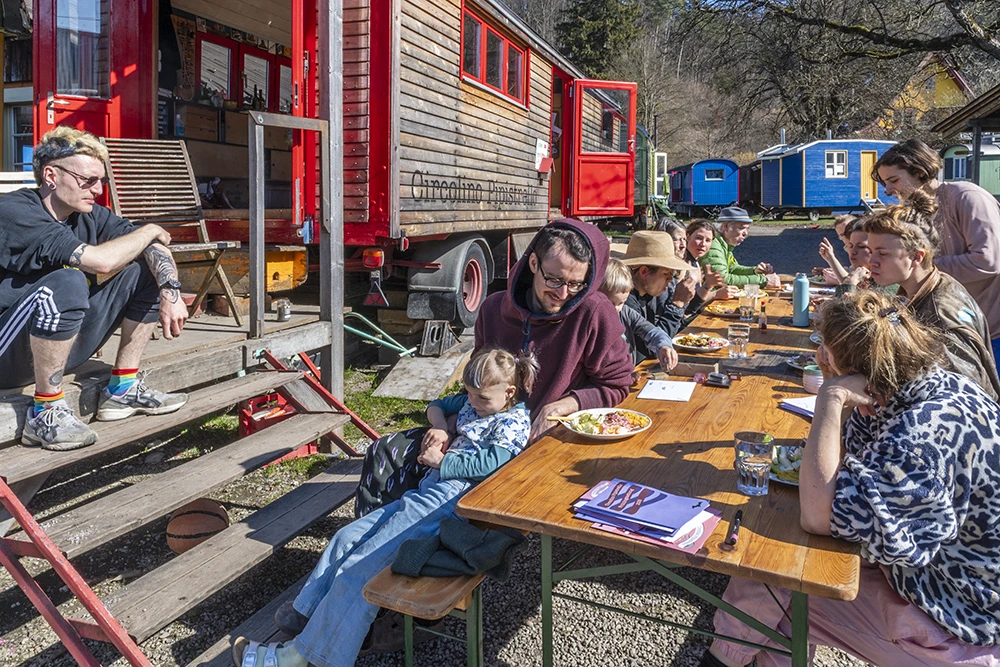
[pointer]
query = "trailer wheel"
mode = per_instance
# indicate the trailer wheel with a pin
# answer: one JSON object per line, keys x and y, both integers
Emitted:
{"x": 814, "y": 215}
{"x": 472, "y": 286}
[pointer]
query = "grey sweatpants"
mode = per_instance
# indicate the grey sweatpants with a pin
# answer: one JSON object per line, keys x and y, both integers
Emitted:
{"x": 61, "y": 304}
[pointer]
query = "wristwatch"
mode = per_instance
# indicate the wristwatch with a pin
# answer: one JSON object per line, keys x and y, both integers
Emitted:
{"x": 170, "y": 284}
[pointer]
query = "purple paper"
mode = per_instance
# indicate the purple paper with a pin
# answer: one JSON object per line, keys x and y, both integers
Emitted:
{"x": 625, "y": 503}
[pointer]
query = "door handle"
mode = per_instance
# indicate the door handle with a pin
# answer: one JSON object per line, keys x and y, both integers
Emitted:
{"x": 51, "y": 101}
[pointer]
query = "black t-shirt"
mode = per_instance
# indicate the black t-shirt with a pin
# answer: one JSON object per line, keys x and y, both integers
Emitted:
{"x": 33, "y": 243}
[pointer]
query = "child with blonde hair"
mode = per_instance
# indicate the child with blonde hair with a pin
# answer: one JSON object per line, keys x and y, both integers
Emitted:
{"x": 492, "y": 427}
{"x": 616, "y": 286}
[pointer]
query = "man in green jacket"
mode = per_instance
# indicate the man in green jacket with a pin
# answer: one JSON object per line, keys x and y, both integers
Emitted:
{"x": 734, "y": 226}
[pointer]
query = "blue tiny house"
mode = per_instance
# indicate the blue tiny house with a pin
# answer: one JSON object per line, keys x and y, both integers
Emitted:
{"x": 704, "y": 186}
{"x": 821, "y": 177}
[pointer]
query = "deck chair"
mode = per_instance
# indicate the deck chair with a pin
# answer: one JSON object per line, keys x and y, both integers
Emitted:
{"x": 15, "y": 180}
{"x": 152, "y": 181}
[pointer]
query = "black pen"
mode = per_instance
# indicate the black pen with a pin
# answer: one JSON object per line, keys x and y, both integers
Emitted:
{"x": 734, "y": 531}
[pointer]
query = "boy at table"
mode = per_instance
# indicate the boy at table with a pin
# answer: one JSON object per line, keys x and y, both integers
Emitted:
{"x": 734, "y": 227}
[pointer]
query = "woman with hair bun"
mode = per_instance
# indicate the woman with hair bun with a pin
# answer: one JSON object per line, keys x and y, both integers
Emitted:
{"x": 902, "y": 240}
{"x": 911, "y": 476}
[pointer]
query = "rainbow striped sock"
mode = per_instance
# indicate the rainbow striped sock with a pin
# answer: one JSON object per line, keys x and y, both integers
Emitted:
{"x": 121, "y": 380}
{"x": 43, "y": 401}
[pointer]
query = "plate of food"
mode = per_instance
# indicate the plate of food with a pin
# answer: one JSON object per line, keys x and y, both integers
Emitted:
{"x": 721, "y": 310}
{"x": 800, "y": 361}
{"x": 701, "y": 342}
{"x": 607, "y": 423}
{"x": 815, "y": 338}
{"x": 817, "y": 280}
{"x": 785, "y": 464}
{"x": 737, "y": 295}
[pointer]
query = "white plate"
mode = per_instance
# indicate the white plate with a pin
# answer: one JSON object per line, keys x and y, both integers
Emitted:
{"x": 735, "y": 314}
{"x": 815, "y": 338}
{"x": 603, "y": 436}
{"x": 775, "y": 478}
{"x": 795, "y": 364}
{"x": 691, "y": 348}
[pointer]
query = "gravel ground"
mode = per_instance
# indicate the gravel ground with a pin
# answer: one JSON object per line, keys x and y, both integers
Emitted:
{"x": 512, "y": 612}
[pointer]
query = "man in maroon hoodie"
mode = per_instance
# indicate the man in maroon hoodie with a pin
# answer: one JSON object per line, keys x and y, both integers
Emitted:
{"x": 552, "y": 307}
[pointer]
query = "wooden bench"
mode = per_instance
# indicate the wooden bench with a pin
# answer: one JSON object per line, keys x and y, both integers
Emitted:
{"x": 15, "y": 180}
{"x": 151, "y": 181}
{"x": 432, "y": 598}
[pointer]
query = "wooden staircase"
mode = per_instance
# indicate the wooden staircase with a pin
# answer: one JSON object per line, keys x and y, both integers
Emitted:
{"x": 159, "y": 597}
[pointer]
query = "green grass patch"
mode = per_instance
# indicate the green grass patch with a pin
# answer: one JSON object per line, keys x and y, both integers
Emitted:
{"x": 303, "y": 467}
{"x": 386, "y": 415}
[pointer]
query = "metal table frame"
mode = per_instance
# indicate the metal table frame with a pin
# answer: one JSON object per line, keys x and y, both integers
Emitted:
{"x": 796, "y": 647}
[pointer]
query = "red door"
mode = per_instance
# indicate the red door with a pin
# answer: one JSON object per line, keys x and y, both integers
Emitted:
{"x": 95, "y": 67}
{"x": 603, "y": 158}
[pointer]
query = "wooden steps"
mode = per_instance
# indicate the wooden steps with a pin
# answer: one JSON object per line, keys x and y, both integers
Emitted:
{"x": 98, "y": 522}
{"x": 260, "y": 627}
{"x": 21, "y": 463}
{"x": 156, "y": 599}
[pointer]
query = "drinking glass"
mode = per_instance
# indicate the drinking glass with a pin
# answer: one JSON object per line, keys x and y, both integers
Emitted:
{"x": 739, "y": 340}
{"x": 746, "y": 308}
{"x": 754, "y": 454}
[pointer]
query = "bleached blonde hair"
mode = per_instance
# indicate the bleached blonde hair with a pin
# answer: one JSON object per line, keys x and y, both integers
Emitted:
{"x": 62, "y": 142}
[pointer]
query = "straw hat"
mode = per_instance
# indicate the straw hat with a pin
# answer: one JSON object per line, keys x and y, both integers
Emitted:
{"x": 647, "y": 248}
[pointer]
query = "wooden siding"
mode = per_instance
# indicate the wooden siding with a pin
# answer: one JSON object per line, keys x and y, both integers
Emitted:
{"x": 467, "y": 155}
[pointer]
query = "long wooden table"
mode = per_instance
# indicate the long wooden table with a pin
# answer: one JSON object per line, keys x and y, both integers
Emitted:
{"x": 688, "y": 451}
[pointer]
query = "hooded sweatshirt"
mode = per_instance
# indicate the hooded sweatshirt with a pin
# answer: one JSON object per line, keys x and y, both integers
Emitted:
{"x": 581, "y": 350}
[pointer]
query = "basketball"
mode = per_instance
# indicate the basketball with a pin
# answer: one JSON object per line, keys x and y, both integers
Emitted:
{"x": 194, "y": 523}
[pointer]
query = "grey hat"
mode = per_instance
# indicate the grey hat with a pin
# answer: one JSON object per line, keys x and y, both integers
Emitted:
{"x": 733, "y": 214}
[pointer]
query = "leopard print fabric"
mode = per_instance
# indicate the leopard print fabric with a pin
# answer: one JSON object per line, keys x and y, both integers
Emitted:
{"x": 919, "y": 488}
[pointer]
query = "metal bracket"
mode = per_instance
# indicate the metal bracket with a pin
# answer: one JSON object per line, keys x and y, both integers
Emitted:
{"x": 437, "y": 339}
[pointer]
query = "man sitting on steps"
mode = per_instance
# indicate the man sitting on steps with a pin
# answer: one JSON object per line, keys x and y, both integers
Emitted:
{"x": 54, "y": 315}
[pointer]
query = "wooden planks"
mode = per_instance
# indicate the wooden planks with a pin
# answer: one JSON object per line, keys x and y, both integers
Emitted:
{"x": 20, "y": 463}
{"x": 689, "y": 451}
{"x": 153, "y": 601}
{"x": 422, "y": 597}
{"x": 95, "y": 523}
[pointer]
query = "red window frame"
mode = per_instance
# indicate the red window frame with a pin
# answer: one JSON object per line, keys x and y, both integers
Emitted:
{"x": 234, "y": 49}
{"x": 237, "y": 50}
{"x": 506, "y": 45}
{"x": 247, "y": 50}
{"x": 279, "y": 62}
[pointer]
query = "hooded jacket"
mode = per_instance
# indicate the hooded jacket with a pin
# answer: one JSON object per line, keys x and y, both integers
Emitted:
{"x": 581, "y": 350}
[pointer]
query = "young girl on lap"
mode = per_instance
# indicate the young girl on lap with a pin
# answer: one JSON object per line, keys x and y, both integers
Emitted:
{"x": 492, "y": 427}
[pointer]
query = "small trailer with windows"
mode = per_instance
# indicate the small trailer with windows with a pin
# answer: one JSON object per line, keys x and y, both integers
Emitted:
{"x": 463, "y": 132}
{"x": 819, "y": 178}
{"x": 957, "y": 167}
{"x": 704, "y": 187}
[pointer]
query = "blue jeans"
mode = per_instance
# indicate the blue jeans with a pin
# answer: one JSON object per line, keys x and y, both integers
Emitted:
{"x": 996, "y": 352}
{"x": 339, "y": 617}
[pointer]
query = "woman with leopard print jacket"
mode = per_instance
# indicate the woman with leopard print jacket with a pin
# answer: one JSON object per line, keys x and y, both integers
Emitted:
{"x": 913, "y": 477}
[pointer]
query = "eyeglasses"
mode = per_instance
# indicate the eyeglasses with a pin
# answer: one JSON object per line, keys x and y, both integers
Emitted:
{"x": 556, "y": 283}
{"x": 85, "y": 182}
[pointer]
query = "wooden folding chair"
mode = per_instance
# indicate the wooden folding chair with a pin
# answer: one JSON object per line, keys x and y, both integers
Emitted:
{"x": 151, "y": 180}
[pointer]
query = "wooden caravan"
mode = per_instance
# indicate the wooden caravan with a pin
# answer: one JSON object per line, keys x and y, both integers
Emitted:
{"x": 463, "y": 130}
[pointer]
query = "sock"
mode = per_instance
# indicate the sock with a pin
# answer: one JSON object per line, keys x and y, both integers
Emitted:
{"x": 43, "y": 401}
{"x": 121, "y": 380}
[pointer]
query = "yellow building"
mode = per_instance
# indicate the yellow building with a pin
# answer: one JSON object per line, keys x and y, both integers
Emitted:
{"x": 934, "y": 92}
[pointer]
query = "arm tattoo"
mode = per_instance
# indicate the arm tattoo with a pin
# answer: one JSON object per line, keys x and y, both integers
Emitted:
{"x": 161, "y": 263}
{"x": 77, "y": 256}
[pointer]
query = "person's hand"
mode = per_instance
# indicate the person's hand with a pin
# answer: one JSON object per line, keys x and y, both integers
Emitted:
{"x": 668, "y": 358}
{"x": 857, "y": 275}
{"x": 431, "y": 458}
{"x": 712, "y": 279}
{"x": 684, "y": 291}
{"x": 435, "y": 438}
{"x": 764, "y": 268}
{"x": 156, "y": 233}
{"x": 830, "y": 277}
{"x": 773, "y": 280}
{"x": 825, "y": 362}
{"x": 540, "y": 424}
{"x": 173, "y": 313}
{"x": 728, "y": 292}
{"x": 826, "y": 250}
{"x": 851, "y": 391}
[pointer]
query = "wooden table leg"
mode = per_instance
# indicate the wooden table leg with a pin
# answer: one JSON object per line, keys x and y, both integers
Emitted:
{"x": 800, "y": 629}
{"x": 546, "y": 600}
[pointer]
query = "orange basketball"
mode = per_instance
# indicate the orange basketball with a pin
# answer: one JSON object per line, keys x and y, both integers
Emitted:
{"x": 194, "y": 523}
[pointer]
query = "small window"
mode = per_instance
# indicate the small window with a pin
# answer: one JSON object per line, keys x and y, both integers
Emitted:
{"x": 960, "y": 168}
{"x": 255, "y": 71}
{"x": 216, "y": 63}
{"x": 660, "y": 176}
{"x": 284, "y": 89}
{"x": 836, "y": 164}
{"x": 493, "y": 60}
{"x": 715, "y": 174}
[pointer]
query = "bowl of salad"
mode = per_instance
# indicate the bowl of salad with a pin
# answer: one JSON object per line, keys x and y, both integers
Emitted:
{"x": 607, "y": 423}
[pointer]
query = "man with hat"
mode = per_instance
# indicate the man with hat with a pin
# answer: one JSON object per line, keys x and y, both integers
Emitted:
{"x": 734, "y": 226}
{"x": 656, "y": 295}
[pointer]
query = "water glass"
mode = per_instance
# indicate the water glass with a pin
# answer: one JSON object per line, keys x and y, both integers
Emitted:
{"x": 747, "y": 308}
{"x": 739, "y": 340}
{"x": 754, "y": 454}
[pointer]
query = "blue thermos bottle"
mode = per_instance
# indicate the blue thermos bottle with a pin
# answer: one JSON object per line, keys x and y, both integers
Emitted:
{"x": 800, "y": 301}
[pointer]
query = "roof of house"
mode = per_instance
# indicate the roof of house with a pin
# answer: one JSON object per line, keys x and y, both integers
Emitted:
{"x": 791, "y": 150}
{"x": 986, "y": 106}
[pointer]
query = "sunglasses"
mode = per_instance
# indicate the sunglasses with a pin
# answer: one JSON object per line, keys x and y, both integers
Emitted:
{"x": 85, "y": 182}
{"x": 556, "y": 283}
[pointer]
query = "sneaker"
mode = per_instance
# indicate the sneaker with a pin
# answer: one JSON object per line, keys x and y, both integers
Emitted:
{"x": 138, "y": 399}
{"x": 289, "y": 620}
{"x": 56, "y": 428}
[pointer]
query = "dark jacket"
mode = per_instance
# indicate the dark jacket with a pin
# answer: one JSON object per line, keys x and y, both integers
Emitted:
{"x": 942, "y": 303}
{"x": 638, "y": 330}
{"x": 581, "y": 350}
